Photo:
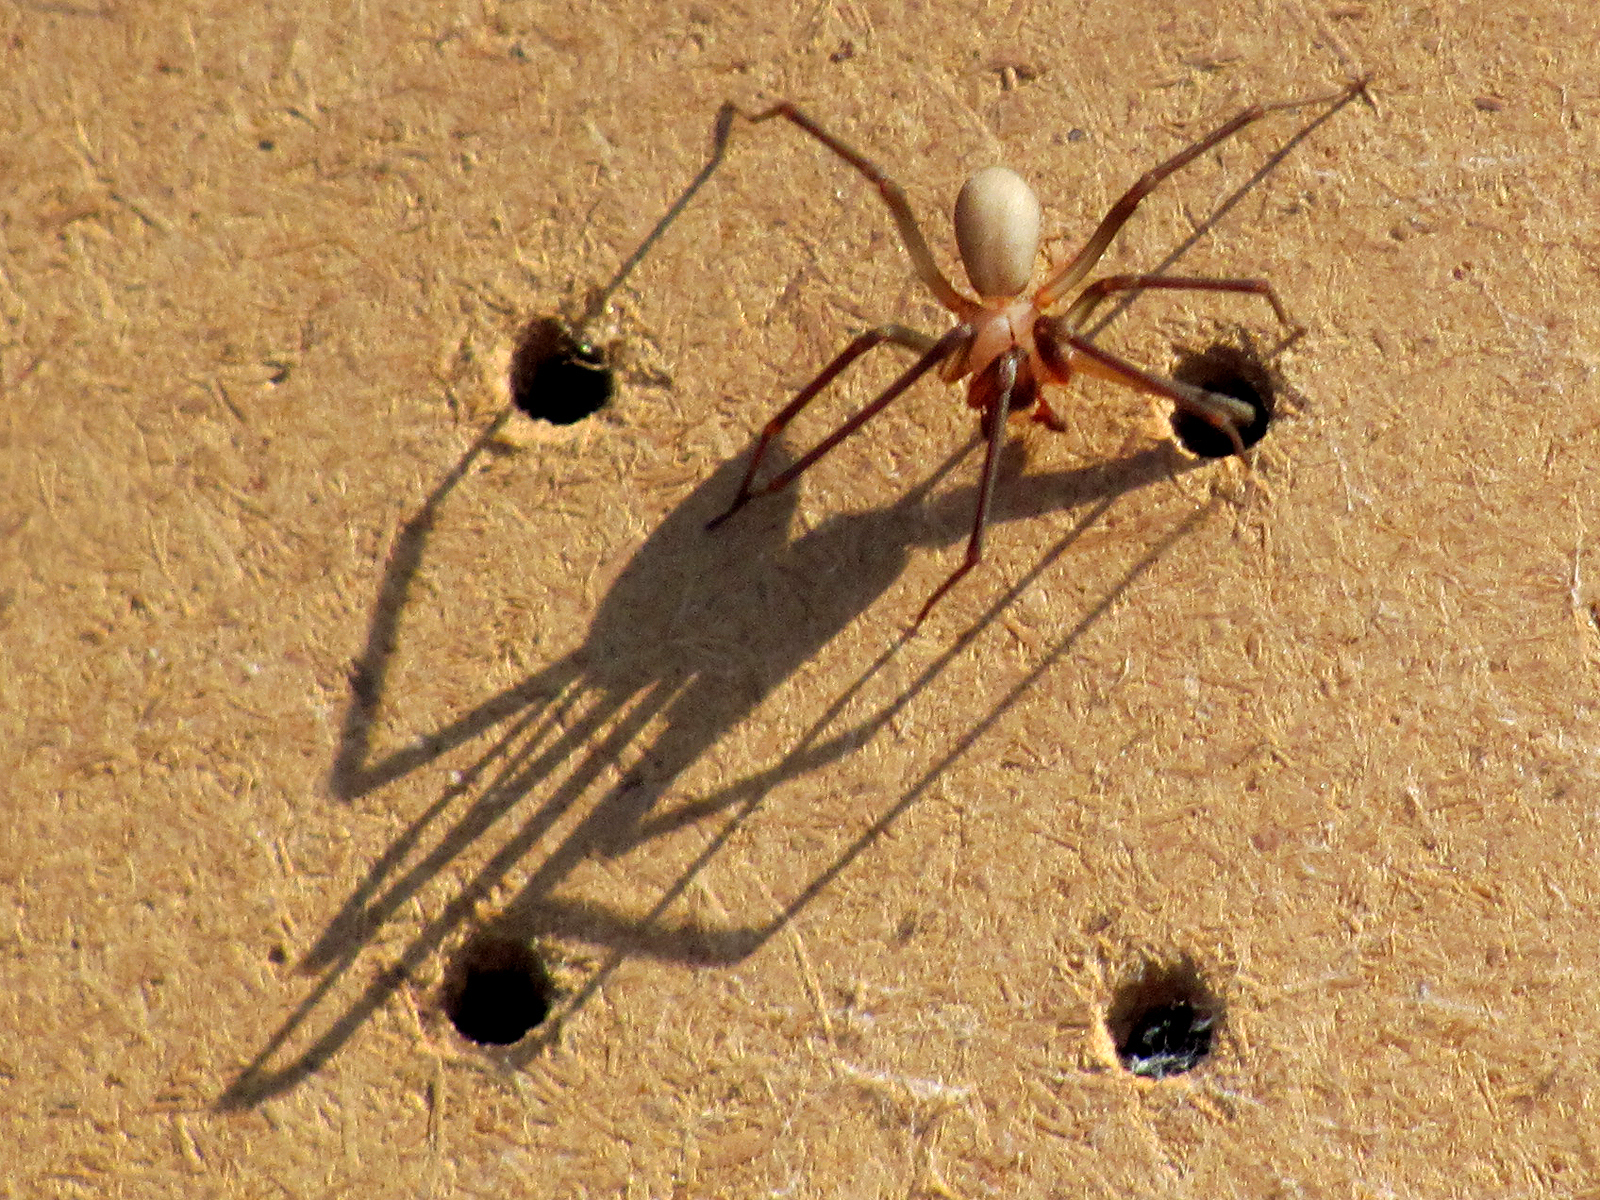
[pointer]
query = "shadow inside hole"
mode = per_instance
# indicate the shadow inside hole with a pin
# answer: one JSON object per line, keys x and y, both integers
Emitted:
{"x": 1239, "y": 372}
{"x": 1162, "y": 1022}
{"x": 497, "y": 991}
{"x": 557, "y": 377}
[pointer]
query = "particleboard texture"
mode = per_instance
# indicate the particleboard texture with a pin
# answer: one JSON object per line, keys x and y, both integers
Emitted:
{"x": 833, "y": 914}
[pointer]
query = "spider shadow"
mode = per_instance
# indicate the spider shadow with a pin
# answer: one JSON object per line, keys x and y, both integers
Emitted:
{"x": 643, "y": 661}
{"x": 694, "y": 633}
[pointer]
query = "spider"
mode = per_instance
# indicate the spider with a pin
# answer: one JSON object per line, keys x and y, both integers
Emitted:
{"x": 1006, "y": 343}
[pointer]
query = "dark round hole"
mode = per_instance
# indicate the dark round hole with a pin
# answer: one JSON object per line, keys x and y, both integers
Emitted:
{"x": 556, "y": 377}
{"x": 1162, "y": 1023}
{"x": 1167, "y": 1039}
{"x": 1232, "y": 372}
{"x": 497, "y": 992}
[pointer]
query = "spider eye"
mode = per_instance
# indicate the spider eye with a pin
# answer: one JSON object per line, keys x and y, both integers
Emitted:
{"x": 997, "y": 229}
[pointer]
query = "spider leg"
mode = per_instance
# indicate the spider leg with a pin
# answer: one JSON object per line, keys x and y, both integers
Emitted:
{"x": 1006, "y": 368}
{"x": 1047, "y": 416}
{"x": 1096, "y": 293}
{"x": 933, "y": 353}
{"x": 1111, "y": 224}
{"x": 1224, "y": 413}
{"x": 893, "y": 195}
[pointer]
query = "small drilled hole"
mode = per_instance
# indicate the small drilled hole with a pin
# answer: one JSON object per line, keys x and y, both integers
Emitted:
{"x": 1168, "y": 1039}
{"x": 497, "y": 992}
{"x": 1162, "y": 1023}
{"x": 556, "y": 377}
{"x": 1233, "y": 372}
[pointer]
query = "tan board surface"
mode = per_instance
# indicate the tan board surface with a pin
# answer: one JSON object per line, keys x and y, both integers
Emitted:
{"x": 307, "y": 685}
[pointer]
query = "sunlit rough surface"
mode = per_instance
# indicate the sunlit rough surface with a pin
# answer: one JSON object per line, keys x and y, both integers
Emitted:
{"x": 1334, "y": 737}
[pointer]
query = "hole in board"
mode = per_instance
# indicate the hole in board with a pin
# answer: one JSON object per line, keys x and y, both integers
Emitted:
{"x": 497, "y": 991}
{"x": 1233, "y": 372}
{"x": 556, "y": 377}
{"x": 1162, "y": 1023}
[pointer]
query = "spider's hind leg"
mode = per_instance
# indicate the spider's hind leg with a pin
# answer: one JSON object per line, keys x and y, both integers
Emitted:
{"x": 894, "y": 196}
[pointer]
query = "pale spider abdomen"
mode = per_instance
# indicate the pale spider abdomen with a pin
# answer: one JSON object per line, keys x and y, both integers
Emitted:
{"x": 997, "y": 230}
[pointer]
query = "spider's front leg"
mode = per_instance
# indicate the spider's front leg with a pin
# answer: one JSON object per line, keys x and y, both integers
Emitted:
{"x": 1064, "y": 352}
{"x": 933, "y": 351}
{"x": 1002, "y": 379}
